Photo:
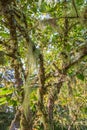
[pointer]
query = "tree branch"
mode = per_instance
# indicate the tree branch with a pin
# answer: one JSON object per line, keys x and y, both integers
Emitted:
{"x": 74, "y": 5}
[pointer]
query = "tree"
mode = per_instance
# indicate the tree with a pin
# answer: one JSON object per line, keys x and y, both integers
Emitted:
{"x": 43, "y": 54}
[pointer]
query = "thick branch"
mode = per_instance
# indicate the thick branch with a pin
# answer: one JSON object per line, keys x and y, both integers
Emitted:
{"x": 74, "y": 5}
{"x": 75, "y": 62}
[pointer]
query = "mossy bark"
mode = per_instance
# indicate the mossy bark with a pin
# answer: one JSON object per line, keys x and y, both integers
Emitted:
{"x": 25, "y": 124}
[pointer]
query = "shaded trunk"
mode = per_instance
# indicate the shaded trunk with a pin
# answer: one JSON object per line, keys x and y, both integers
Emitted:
{"x": 50, "y": 112}
{"x": 8, "y": 13}
{"x": 25, "y": 124}
{"x": 41, "y": 93}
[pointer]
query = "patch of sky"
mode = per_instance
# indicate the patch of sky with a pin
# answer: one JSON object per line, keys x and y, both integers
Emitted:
{"x": 44, "y": 16}
{"x": 85, "y": 1}
{"x": 51, "y": 1}
{"x": 28, "y": 6}
{"x": 10, "y": 108}
{"x": 50, "y": 47}
{"x": 9, "y": 75}
{"x": 2, "y": 85}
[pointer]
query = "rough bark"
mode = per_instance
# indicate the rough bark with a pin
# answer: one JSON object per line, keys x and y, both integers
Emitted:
{"x": 41, "y": 93}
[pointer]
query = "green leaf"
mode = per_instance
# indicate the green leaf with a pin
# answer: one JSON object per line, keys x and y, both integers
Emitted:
{"x": 81, "y": 77}
{"x": 3, "y": 101}
{"x": 5, "y": 91}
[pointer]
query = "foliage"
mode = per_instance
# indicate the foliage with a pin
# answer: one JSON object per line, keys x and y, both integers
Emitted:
{"x": 43, "y": 64}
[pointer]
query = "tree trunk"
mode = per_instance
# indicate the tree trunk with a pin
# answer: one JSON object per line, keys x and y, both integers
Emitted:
{"x": 25, "y": 124}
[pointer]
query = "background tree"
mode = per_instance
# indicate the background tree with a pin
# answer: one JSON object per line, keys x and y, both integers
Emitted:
{"x": 43, "y": 65}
